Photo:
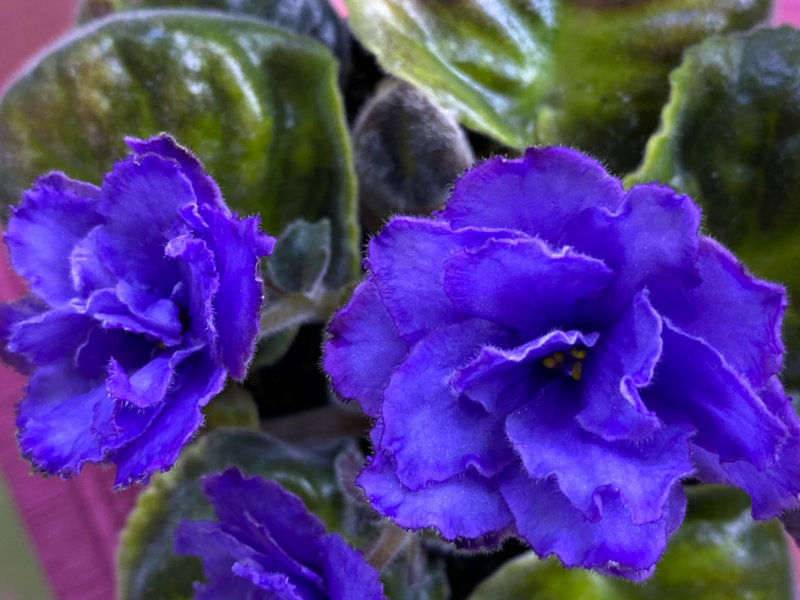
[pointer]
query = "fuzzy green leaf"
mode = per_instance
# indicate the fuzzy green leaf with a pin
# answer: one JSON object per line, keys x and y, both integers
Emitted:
{"x": 547, "y": 71}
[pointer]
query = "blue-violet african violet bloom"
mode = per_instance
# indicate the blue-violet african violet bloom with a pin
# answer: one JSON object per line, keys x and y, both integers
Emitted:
{"x": 549, "y": 356}
{"x": 265, "y": 545}
{"x": 144, "y": 297}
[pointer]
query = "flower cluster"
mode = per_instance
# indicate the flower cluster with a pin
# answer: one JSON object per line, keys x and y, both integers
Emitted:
{"x": 265, "y": 545}
{"x": 550, "y": 355}
{"x": 144, "y": 297}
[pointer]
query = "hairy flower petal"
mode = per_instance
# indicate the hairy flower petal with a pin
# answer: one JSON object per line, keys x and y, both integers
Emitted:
{"x": 773, "y": 489}
{"x": 49, "y": 336}
{"x": 407, "y": 265}
{"x": 492, "y": 375}
{"x": 266, "y": 538}
{"x": 523, "y": 285}
{"x": 55, "y": 214}
{"x": 450, "y": 506}
{"x": 551, "y": 525}
{"x": 146, "y": 294}
{"x": 737, "y": 314}
{"x": 623, "y": 361}
{"x": 347, "y": 574}
{"x": 54, "y": 419}
{"x": 617, "y": 375}
{"x": 133, "y": 238}
{"x": 438, "y": 437}
{"x": 585, "y": 466}
{"x": 497, "y": 192}
{"x": 205, "y": 188}
{"x": 199, "y": 380}
{"x": 87, "y": 267}
{"x": 730, "y": 419}
{"x": 373, "y": 341}
{"x": 237, "y": 246}
{"x": 651, "y": 241}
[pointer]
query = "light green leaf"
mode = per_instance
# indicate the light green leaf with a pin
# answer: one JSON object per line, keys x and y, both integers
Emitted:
{"x": 307, "y": 17}
{"x": 301, "y": 257}
{"x": 547, "y": 71}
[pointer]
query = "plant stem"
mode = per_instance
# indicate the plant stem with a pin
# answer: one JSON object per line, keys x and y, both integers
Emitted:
{"x": 382, "y": 550}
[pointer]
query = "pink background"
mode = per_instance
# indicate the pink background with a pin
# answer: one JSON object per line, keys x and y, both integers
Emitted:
{"x": 74, "y": 525}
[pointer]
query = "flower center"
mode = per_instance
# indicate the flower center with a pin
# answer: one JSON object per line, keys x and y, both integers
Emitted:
{"x": 569, "y": 364}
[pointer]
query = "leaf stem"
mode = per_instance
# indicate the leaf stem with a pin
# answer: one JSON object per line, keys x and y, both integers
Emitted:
{"x": 386, "y": 546}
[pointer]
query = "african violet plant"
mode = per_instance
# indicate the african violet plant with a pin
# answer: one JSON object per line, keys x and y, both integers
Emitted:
{"x": 548, "y": 378}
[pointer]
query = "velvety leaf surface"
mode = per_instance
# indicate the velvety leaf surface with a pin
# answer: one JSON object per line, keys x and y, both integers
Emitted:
{"x": 730, "y": 138}
{"x": 257, "y": 104}
{"x": 301, "y": 258}
{"x": 233, "y": 407}
{"x": 146, "y": 565}
{"x": 308, "y": 17}
{"x": 549, "y": 71}
{"x": 719, "y": 553}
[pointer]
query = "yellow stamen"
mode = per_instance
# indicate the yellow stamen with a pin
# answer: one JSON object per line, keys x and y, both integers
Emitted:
{"x": 559, "y": 357}
{"x": 579, "y": 354}
{"x": 549, "y": 362}
{"x": 576, "y": 371}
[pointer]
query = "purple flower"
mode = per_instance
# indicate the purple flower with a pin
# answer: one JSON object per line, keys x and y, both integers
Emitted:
{"x": 266, "y": 545}
{"x": 550, "y": 356}
{"x": 144, "y": 297}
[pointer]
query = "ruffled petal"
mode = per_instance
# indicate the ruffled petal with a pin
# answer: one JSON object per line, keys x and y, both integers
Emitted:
{"x": 623, "y": 361}
{"x": 737, "y": 314}
{"x": 199, "y": 274}
{"x": 277, "y": 511}
{"x": 537, "y": 194}
{"x": 53, "y": 217}
{"x": 363, "y": 333}
{"x": 774, "y": 489}
{"x": 147, "y": 385}
{"x": 55, "y": 417}
{"x": 237, "y": 246}
{"x": 614, "y": 544}
{"x": 431, "y": 434}
{"x": 523, "y": 285}
{"x": 131, "y": 351}
{"x": 348, "y": 575}
{"x": 545, "y": 435}
{"x": 407, "y": 264}
{"x": 217, "y": 549}
{"x": 468, "y": 505}
{"x": 136, "y": 311}
{"x": 116, "y": 423}
{"x": 50, "y": 336}
{"x": 651, "y": 241}
{"x": 276, "y": 585}
{"x": 87, "y": 269}
{"x": 12, "y": 313}
{"x": 199, "y": 379}
{"x": 131, "y": 243}
{"x": 492, "y": 375}
{"x": 205, "y": 188}
{"x": 694, "y": 384}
